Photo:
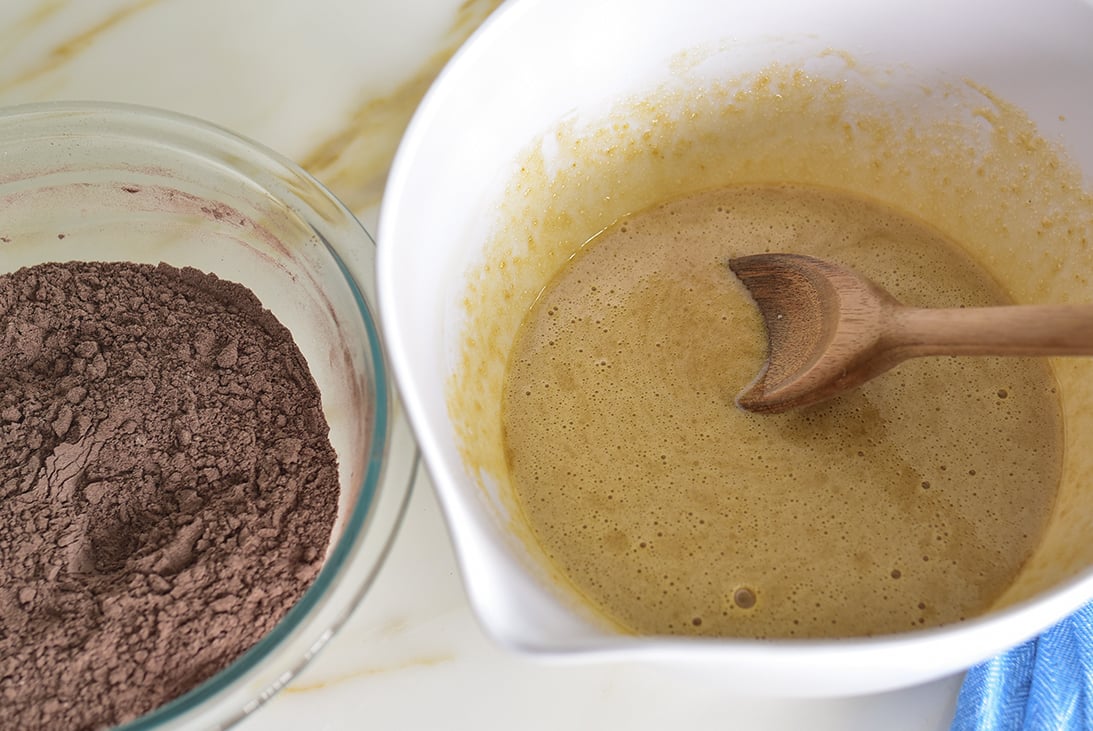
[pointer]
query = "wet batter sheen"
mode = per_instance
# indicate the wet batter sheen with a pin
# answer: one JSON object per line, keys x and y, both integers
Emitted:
{"x": 912, "y": 501}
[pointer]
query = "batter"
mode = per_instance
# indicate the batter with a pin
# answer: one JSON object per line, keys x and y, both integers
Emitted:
{"x": 912, "y": 501}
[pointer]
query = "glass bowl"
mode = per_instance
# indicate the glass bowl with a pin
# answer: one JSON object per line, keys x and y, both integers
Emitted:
{"x": 120, "y": 183}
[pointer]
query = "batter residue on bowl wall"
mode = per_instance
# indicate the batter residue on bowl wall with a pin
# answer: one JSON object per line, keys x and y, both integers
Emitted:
{"x": 952, "y": 155}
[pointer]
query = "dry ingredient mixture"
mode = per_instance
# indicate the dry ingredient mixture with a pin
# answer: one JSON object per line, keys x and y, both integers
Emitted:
{"x": 167, "y": 486}
{"x": 912, "y": 501}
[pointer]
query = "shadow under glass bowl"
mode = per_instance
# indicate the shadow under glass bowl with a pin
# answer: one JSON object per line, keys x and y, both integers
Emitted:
{"x": 98, "y": 182}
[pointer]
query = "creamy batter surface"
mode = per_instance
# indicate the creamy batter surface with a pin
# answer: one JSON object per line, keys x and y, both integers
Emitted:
{"x": 912, "y": 501}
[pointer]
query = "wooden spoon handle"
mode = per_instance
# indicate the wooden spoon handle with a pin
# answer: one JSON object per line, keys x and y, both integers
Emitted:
{"x": 1010, "y": 330}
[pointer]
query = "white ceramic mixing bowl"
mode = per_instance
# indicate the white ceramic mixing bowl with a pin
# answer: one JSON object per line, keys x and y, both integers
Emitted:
{"x": 541, "y": 73}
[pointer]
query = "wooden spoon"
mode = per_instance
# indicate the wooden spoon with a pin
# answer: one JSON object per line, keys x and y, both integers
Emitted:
{"x": 830, "y": 329}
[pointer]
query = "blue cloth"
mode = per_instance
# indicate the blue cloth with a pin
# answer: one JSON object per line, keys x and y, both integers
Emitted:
{"x": 1046, "y": 683}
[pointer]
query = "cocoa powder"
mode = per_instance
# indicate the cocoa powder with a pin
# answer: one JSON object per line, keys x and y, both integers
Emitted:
{"x": 167, "y": 486}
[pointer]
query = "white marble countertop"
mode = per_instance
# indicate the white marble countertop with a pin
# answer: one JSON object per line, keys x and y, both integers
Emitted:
{"x": 331, "y": 84}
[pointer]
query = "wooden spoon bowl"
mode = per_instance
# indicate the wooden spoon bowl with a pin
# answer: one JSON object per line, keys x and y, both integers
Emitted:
{"x": 830, "y": 329}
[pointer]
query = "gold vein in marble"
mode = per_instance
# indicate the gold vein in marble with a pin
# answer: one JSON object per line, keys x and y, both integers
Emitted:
{"x": 393, "y": 627}
{"x": 425, "y": 661}
{"x": 353, "y": 163}
{"x": 21, "y": 28}
{"x": 74, "y": 45}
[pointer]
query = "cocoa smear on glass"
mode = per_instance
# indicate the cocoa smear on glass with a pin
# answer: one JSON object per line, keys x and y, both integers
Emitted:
{"x": 167, "y": 486}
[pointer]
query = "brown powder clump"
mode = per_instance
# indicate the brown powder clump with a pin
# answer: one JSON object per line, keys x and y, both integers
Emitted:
{"x": 167, "y": 486}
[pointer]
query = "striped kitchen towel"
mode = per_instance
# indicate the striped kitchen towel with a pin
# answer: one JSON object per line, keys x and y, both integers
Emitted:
{"x": 1045, "y": 684}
